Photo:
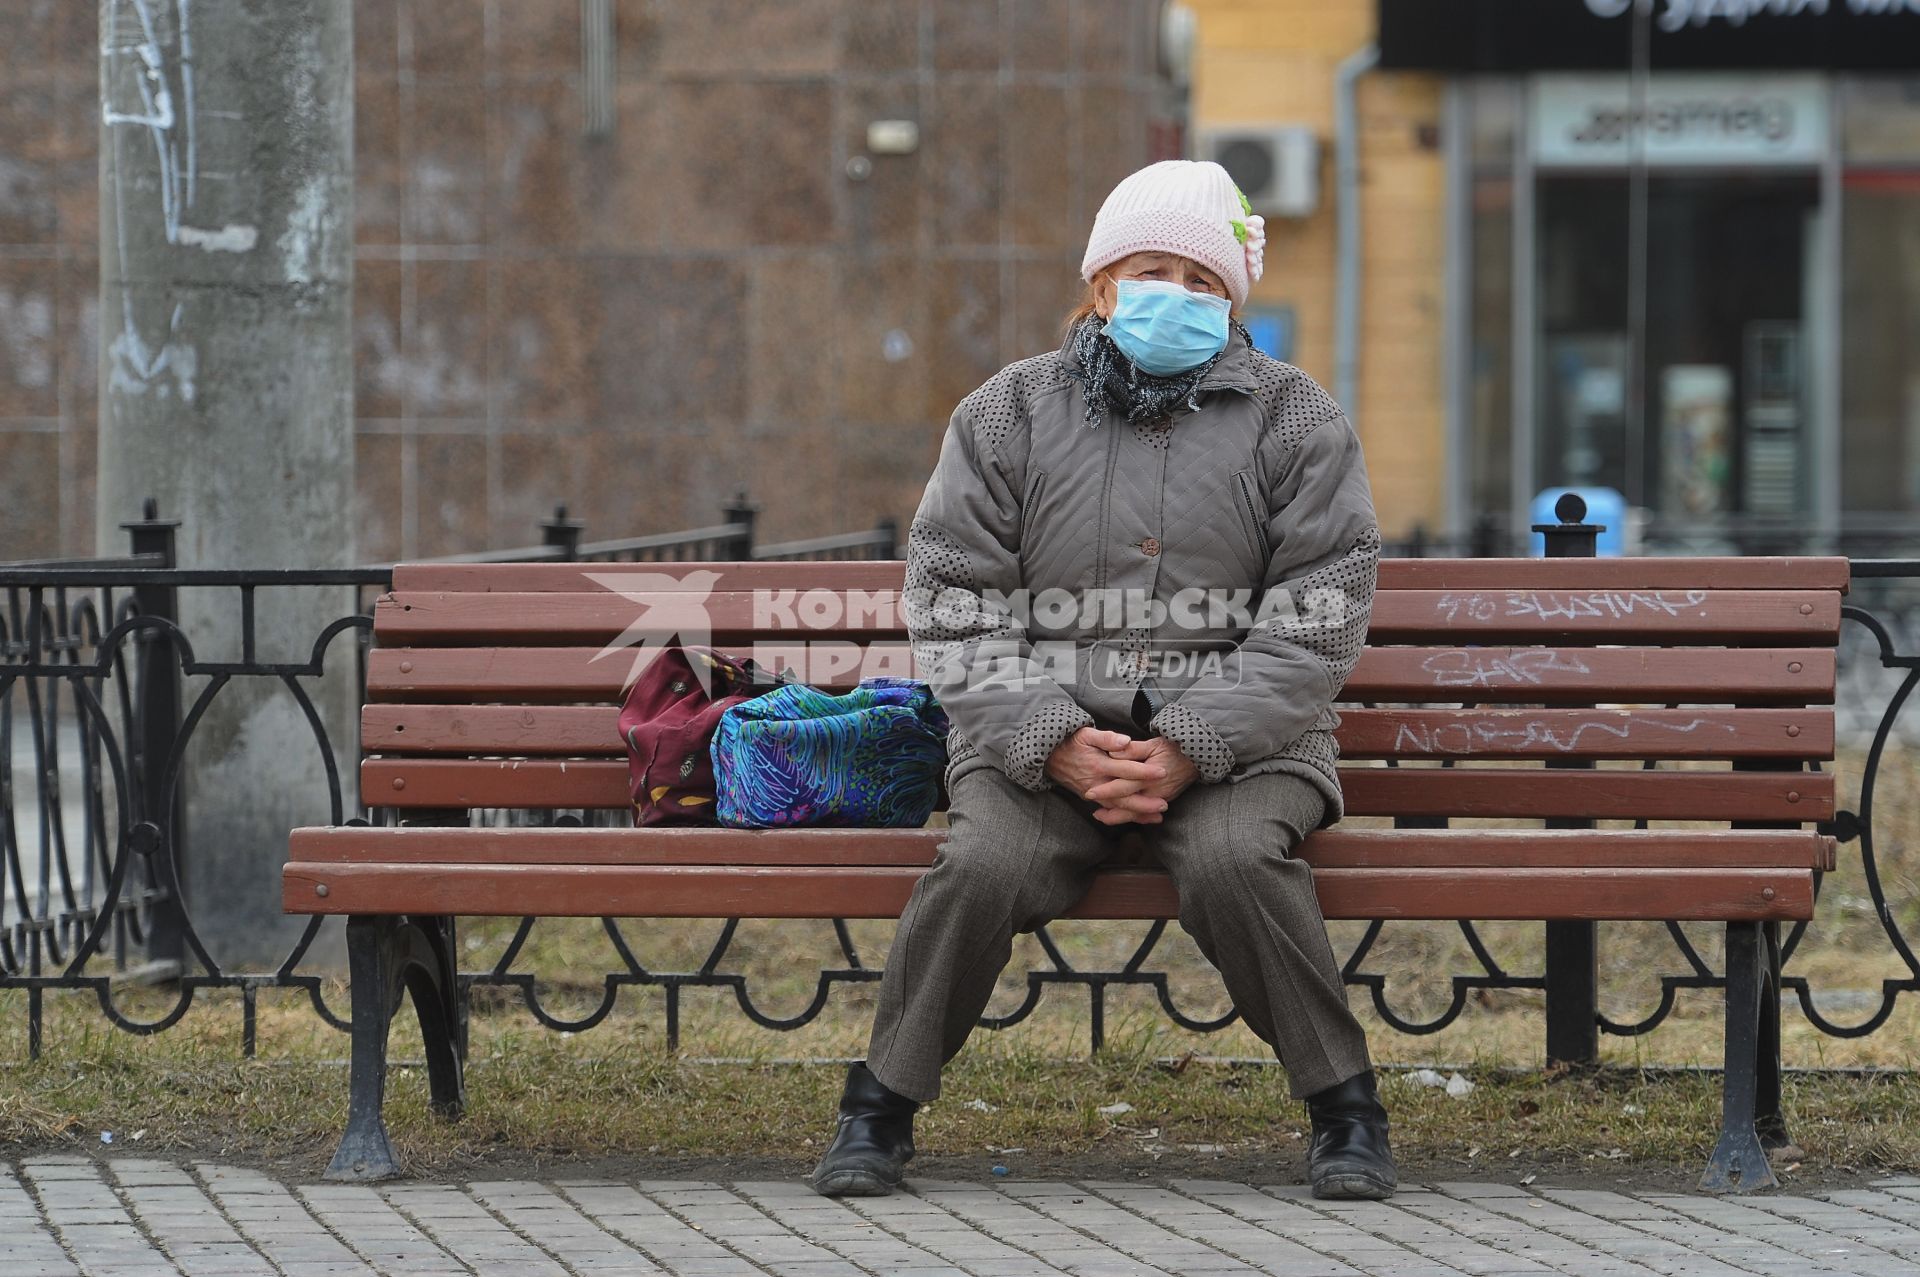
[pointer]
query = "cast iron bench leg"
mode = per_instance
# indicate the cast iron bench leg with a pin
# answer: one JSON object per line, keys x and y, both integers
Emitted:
{"x": 1768, "y": 1118}
{"x": 1739, "y": 1163}
{"x": 385, "y": 957}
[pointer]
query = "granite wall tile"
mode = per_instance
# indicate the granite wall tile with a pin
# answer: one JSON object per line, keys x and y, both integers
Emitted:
{"x": 790, "y": 185}
{"x": 77, "y": 339}
{"x": 29, "y": 499}
{"x": 623, "y": 196}
{"x": 641, "y": 479}
{"x": 671, "y": 341}
{"x": 379, "y": 363}
{"x": 377, "y": 513}
{"x": 539, "y": 471}
{"x": 881, "y": 35}
{"x": 759, "y": 37}
{"x": 445, "y": 350}
{"x": 76, "y": 158}
{"x": 451, "y": 492}
{"x": 965, "y": 328}
{"x": 883, "y": 355}
{"x": 75, "y": 31}
{"x": 966, "y": 34}
{"x": 534, "y": 159}
{"x": 702, "y": 329}
{"x": 1039, "y": 187}
{"x": 536, "y": 37}
{"x": 792, "y": 341}
{"x": 543, "y": 318}
{"x": 792, "y": 488}
{"x": 626, "y": 362}
{"x": 376, "y": 37}
{"x": 879, "y": 469}
{"x": 886, "y": 208}
{"x": 29, "y": 209}
{"x": 32, "y": 34}
{"x": 636, "y": 34}
{"x": 29, "y": 364}
{"x": 446, "y": 167}
{"x": 379, "y": 173}
{"x": 1113, "y": 130}
{"x": 79, "y": 468}
{"x": 1104, "y": 37}
{"x": 448, "y": 36}
{"x": 1039, "y": 37}
{"x": 1043, "y": 292}
{"x": 747, "y": 164}
{"x": 965, "y": 159}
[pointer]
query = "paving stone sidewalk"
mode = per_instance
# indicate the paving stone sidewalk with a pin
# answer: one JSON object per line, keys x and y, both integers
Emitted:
{"x": 61, "y": 1216}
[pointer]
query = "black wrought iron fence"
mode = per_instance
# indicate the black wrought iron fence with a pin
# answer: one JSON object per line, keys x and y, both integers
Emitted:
{"x": 94, "y": 721}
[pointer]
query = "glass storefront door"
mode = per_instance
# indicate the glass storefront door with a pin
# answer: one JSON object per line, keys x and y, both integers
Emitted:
{"x": 1712, "y": 420}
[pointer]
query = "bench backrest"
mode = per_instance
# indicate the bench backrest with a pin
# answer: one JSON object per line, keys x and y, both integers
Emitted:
{"x": 493, "y": 686}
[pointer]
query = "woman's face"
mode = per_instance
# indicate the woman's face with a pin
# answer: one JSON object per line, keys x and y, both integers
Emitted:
{"x": 1162, "y": 266}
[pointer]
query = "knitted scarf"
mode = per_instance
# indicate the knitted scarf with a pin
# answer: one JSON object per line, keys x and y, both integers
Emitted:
{"x": 1111, "y": 381}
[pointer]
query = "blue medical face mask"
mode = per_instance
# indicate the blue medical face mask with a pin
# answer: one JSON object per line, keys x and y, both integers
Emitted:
{"x": 1165, "y": 328}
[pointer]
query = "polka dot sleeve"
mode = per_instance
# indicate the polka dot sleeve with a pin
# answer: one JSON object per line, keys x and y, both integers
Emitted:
{"x": 1196, "y": 739}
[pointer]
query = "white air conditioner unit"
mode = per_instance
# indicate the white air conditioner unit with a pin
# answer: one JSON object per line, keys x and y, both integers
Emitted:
{"x": 1277, "y": 166}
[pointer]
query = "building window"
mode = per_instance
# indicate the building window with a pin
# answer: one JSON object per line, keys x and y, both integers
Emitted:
{"x": 1880, "y": 298}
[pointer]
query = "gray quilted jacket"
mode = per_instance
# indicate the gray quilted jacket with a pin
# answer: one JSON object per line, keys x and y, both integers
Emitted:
{"x": 1261, "y": 490}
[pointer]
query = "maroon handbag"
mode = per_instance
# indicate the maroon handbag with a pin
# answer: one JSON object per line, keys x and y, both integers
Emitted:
{"x": 667, "y": 723}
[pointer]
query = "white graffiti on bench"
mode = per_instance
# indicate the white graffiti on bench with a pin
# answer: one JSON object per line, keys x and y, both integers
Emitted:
{"x": 1523, "y": 736}
{"x": 1560, "y": 605}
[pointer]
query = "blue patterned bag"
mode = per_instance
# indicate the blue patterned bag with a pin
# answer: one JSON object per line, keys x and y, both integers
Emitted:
{"x": 874, "y": 756}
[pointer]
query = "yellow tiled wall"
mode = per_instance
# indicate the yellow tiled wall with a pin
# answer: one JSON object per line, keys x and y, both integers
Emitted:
{"x": 1274, "y": 61}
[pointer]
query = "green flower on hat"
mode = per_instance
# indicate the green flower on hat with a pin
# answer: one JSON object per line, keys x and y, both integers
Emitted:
{"x": 1246, "y": 208}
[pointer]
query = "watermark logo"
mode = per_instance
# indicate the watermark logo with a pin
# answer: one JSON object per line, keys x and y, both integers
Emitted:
{"x": 673, "y": 612}
{"x": 1014, "y": 638}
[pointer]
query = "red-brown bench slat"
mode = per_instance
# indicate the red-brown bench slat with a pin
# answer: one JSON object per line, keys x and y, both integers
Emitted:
{"x": 1493, "y": 674}
{"x": 1796, "y": 572}
{"x": 1467, "y": 792}
{"x": 455, "y": 848}
{"x": 813, "y": 891}
{"x": 1363, "y": 733}
{"x": 1398, "y": 616}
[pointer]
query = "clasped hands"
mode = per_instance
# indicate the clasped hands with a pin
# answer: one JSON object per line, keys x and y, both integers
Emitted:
{"x": 1132, "y": 781}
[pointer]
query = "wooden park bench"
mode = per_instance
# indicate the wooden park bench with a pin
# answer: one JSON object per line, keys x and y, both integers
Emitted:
{"x": 484, "y": 692}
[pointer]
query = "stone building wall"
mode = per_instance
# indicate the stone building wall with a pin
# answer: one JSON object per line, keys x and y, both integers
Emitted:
{"x": 641, "y": 322}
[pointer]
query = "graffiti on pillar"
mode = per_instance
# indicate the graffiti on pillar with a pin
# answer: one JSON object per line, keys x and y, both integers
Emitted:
{"x": 148, "y": 98}
{"x": 147, "y": 48}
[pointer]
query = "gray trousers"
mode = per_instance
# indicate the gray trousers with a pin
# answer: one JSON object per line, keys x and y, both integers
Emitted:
{"x": 1016, "y": 859}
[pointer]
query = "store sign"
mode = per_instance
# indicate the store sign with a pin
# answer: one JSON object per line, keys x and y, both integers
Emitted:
{"x": 1693, "y": 120}
{"x": 1598, "y": 35}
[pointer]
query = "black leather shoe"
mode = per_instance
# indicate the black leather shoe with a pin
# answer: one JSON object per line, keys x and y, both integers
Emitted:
{"x": 1349, "y": 1158}
{"x": 873, "y": 1143}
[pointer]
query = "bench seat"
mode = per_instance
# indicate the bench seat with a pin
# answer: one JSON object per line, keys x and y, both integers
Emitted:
{"x": 869, "y": 873}
{"x": 1547, "y": 695}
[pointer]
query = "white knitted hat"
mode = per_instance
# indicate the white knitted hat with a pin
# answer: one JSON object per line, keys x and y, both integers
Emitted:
{"x": 1189, "y": 207}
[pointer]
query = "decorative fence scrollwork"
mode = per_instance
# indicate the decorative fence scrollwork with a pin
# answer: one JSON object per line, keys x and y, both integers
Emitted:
{"x": 89, "y": 795}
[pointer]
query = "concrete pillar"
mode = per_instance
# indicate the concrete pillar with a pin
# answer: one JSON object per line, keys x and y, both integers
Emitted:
{"x": 226, "y": 391}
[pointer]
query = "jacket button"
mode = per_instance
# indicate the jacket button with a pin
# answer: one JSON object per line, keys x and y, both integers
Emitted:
{"x": 1150, "y": 546}
{"x": 687, "y": 765}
